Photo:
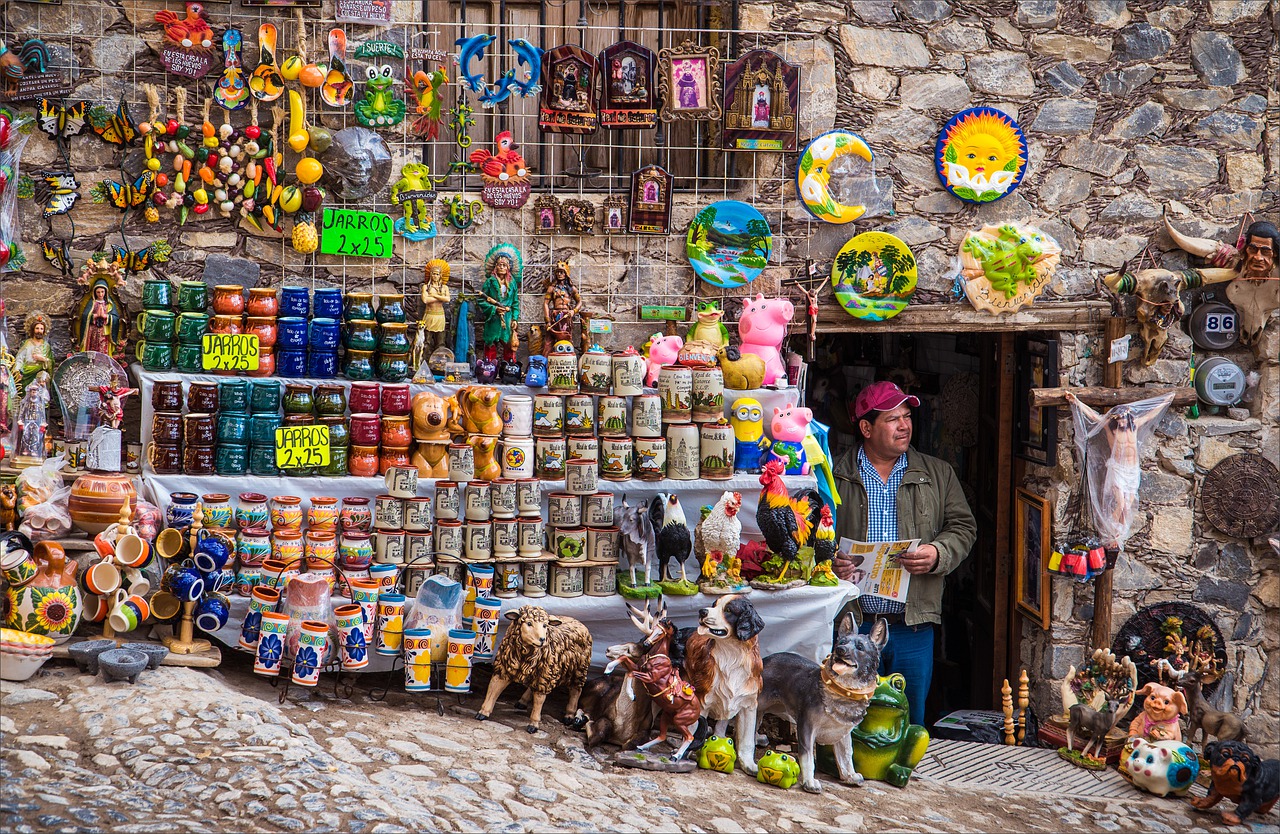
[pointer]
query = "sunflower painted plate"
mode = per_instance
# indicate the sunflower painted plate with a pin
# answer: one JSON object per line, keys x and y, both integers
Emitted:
{"x": 981, "y": 155}
{"x": 836, "y": 177}
{"x": 729, "y": 244}
{"x": 874, "y": 276}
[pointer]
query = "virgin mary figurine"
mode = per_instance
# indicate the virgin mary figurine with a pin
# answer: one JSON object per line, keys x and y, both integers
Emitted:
{"x": 98, "y": 322}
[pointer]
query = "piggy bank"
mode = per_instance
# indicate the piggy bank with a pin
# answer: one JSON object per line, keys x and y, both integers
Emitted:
{"x": 718, "y": 754}
{"x": 536, "y": 376}
{"x": 1163, "y": 767}
{"x": 788, "y": 428}
{"x": 778, "y": 769}
{"x": 762, "y": 327}
{"x": 663, "y": 350}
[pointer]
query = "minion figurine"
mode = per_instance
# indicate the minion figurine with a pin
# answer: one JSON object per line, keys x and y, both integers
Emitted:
{"x": 750, "y": 444}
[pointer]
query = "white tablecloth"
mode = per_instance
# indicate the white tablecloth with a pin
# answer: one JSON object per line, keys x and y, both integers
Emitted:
{"x": 796, "y": 620}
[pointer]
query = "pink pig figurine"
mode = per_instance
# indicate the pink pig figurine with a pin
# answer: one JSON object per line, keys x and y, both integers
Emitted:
{"x": 788, "y": 428}
{"x": 663, "y": 350}
{"x": 762, "y": 327}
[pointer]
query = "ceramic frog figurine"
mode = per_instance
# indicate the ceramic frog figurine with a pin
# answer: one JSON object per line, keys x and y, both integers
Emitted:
{"x": 778, "y": 769}
{"x": 380, "y": 107}
{"x": 886, "y": 745}
{"x": 709, "y": 328}
{"x": 718, "y": 754}
{"x": 1009, "y": 260}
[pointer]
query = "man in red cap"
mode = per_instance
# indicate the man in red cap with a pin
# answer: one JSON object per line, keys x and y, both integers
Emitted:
{"x": 891, "y": 492}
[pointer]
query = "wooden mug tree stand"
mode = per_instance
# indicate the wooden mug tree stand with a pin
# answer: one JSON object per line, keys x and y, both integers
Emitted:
{"x": 184, "y": 642}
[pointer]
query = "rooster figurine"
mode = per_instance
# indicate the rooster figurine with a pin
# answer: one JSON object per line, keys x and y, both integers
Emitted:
{"x": 824, "y": 538}
{"x": 506, "y": 165}
{"x": 673, "y": 541}
{"x": 191, "y": 32}
{"x": 716, "y": 542}
{"x": 786, "y": 521}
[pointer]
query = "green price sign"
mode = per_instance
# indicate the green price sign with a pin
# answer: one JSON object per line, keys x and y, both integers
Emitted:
{"x": 358, "y": 234}
{"x": 229, "y": 352}
{"x": 302, "y": 446}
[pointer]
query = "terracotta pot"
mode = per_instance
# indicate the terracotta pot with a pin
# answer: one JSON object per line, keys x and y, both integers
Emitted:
{"x": 266, "y": 363}
{"x": 262, "y": 327}
{"x": 391, "y": 458}
{"x": 263, "y": 301}
{"x": 228, "y": 300}
{"x": 362, "y": 461}
{"x": 227, "y": 325}
{"x": 396, "y": 433}
{"x": 96, "y": 499}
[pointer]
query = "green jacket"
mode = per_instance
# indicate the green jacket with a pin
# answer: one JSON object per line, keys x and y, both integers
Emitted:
{"x": 931, "y": 507}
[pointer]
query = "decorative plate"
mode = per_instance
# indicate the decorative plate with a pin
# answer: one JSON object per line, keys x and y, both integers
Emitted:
{"x": 874, "y": 276}
{"x": 729, "y": 244}
{"x": 981, "y": 155}
{"x": 1173, "y": 631}
{"x": 1003, "y": 268}
{"x": 1241, "y": 496}
{"x": 849, "y": 159}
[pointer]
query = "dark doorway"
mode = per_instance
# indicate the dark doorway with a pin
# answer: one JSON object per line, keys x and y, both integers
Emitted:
{"x": 966, "y": 418}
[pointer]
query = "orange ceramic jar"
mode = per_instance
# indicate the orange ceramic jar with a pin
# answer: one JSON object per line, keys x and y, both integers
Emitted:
{"x": 362, "y": 461}
{"x": 392, "y": 457}
{"x": 264, "y": 327}
{"x": 228, "y": 299}
{"x": 263, "y": 301}
{"x": 227, "y": 324}
{"x": 396, "y": 433}
{"x": 266, "y": 363}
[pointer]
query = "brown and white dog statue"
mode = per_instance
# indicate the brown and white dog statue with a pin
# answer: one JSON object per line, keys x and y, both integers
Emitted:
{"x": 722, "y": 662}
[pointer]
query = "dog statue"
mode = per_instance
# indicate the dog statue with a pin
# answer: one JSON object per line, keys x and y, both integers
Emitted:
{"x": 825, "y": 701}
{"x": 722, "y": 661}
{"x": 1240, "y": 775}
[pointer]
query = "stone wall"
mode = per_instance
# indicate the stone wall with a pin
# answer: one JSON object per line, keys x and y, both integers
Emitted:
{"x": 1130, "y": 109}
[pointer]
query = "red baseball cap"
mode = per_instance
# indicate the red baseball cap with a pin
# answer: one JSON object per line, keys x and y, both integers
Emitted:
{"x": 881, "y": 396}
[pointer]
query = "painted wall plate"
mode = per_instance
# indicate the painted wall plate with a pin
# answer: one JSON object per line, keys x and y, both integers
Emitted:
{"x": 729, "y": 244}
{"x": 874, "y": 276}
{"x": 981, "y": 155}
{"x": 1004, "y": 268}
{"x": 848, "y": 160}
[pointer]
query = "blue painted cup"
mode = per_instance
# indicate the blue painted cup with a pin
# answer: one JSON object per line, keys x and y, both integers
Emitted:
{"x": 291, "y": 334}
{"x": 212, "y": 613}
{"x": 322, "y": 365}
{"x": 262, "y": 429}
{"x": 212, "y": 553}
{"x": 294, "y": 302}
{"x": 186, "y": 584}
{"x": 326, "y": 302}
{"x": 291, "y": 364}
{"x": 324, "y": 334}
{"x": 233, "y": 428}
{"x": 181, "y": 506}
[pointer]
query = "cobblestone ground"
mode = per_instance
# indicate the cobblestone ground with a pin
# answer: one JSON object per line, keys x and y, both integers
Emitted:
{"x": 188, "y": 750}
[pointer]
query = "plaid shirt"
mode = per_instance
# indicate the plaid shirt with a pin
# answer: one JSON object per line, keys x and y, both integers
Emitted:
{"x": 882, "y": 520}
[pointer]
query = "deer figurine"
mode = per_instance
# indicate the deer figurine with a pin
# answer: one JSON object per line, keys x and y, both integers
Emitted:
{"x": 1201, "y": 715}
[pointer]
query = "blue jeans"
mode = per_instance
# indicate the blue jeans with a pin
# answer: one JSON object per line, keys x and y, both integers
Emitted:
{"x": 909, "y": 652}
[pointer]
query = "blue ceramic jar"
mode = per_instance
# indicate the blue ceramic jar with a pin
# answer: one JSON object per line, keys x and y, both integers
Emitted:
{"x": 295, "y": 301}
{"x": 291, "y": 334}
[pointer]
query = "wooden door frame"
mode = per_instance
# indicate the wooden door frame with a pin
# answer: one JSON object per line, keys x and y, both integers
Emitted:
{"x": 1006, "y": 649}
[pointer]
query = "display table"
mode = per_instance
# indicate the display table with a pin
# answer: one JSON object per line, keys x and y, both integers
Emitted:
{"x": 796, "y": 620}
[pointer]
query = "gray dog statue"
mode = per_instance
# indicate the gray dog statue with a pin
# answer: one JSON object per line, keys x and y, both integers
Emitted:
{"x": 826, "y": 701}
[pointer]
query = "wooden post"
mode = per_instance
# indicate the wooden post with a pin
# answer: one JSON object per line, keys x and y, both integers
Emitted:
{"x": 1024, "y": 700}
{"x": 1006, "y": 704}
{"x": 1112, "y": 377}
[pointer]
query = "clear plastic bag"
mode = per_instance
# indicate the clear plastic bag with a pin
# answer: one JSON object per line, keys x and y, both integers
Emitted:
{"x": 50, "y": 519}
{"x": 37, "y": 484}
{"x": 307, "y": 598}
{"x": 438, "y": 607}
{"x": 1111, "y": 447}
{"x": 12, "y": 140}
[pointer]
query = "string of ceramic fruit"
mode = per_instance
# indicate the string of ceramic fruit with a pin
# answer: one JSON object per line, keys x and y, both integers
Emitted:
{"x": 260, "y": 199}
{"x": 306, "y": 201}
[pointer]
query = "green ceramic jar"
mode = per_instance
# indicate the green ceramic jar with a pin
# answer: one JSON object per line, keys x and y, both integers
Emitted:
{"x": 298, "y": 399}
{"x": 394, "y": 368}
{"x": 362, "y": 334}
{"x": 359, "y": 306}
{"x": 339, "y": 433}
{"x": 262, "y": 460}
{"x": 330, "y": 400}
{"x": 394, "y": 339}
{"x": 359, "y": 365}
{"x": 337, "y": 467}
{"x": 391, "y": 308}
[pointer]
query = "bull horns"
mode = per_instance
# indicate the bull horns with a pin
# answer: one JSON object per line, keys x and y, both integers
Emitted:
{"x": 1202, "y": 246}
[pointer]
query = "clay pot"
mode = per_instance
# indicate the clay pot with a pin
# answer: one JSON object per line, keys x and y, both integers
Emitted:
{"x": 50, "y": 603}
{"x": 264, "y": 328}
{"x": 96, "y": 499}
{"x": 263, "y": 301}
{"x": 228, "y": 300}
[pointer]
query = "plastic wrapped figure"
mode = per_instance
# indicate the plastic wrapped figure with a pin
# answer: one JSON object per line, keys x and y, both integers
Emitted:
{"x": 1111, "y": 447}
{"x": 98, "y": 321}
{"x": 32, "y": 423}
{"x": 435, "y": 295}
{"x": 500, "y": 302}
{"x": 561, "y": 304}
{"x": 35, "y": 355}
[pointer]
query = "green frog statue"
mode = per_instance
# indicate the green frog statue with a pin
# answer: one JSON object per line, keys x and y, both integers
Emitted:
{"x": 886, "y": 745}
{"x": 380, "y": 107}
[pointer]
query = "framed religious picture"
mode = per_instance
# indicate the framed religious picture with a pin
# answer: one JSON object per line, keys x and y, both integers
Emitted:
{"x": 761, "y": 103}
{"x": 1033, "y": 525}
{"x": 627, "y": 95}
{"x": 615, "y": 214}
{"x": 567, "y": 103}
{"x": 1037, "y": 427}
{"x": 577, "y": 217}
{"x": 689, "y": 82}
{"x": 650, "y": 212}
{"x": 547, "y": 210}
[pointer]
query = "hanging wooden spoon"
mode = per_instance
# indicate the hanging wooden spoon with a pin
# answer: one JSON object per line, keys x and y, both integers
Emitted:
{"x": 231, "y": 93}
{"x": 266, "y": 83}
{"x": 337, "y": 86}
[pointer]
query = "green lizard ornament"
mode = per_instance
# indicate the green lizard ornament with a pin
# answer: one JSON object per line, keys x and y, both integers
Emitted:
{"x": 380, "y": 107}
{"x": 1009, "y": 259}
{"x": 708, "y": 327}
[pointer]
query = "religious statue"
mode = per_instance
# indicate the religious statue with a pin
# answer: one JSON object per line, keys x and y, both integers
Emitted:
{"x": 35, "y": 355}
{"x": 110, "y": 405}
{"x": 560, "y": 305}
{"x": 8, "y": 396}
{"x": 104, "y": 444}
{"x": 500, "y": 306}
{"x": 31, "y": 427}
{"x": 98, "y": 322}
{"x": 435, "y": 295}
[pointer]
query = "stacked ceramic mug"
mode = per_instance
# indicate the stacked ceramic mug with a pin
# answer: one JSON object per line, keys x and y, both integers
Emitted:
{"x": 393, "y": 339}
{"x": 228, "y": 306}
{"x": 299, "y": 410}
{"x": 156, "y": 326}
{"x": 262, "y": 311}
{"x": 193, "y": 321}
{"x": 200, "y": 428}
{"x": 264, "y": 419}
{"x": 232, "y": 455}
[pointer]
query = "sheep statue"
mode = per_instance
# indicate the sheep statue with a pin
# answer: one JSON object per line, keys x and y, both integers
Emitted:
{"x": 541, "y": 652}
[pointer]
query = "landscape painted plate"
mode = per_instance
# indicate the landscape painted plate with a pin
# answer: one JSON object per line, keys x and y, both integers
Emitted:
{"x": 874, "y": 276}
{"x": 729, "y": 244}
